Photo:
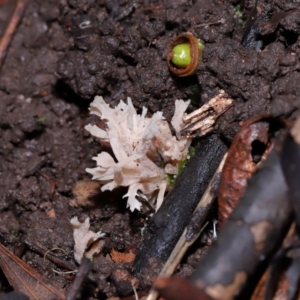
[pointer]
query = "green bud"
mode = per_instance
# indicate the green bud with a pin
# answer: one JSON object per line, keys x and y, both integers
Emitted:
{"x": 184, "y": 54}
{"x": 181, "y": 55}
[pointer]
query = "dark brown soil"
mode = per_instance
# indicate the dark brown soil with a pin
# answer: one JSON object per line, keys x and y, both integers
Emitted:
{"x": 66, "y": 52}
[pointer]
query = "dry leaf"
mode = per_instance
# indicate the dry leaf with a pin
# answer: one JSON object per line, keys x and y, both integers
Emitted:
{"x": 27, "y": 280}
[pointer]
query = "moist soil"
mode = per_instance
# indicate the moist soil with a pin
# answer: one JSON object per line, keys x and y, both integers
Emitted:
{"x": 64, "y": 53}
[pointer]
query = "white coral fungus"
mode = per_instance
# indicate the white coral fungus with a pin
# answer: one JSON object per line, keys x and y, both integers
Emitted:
{"x": 144, "y": 148}
{"x": 83, "y": 238}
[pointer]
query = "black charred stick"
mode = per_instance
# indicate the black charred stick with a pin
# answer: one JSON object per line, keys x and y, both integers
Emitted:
{"x": 83, "y": 271}
{"x": 168, "y": 223}
{"x": 251, "y": 235}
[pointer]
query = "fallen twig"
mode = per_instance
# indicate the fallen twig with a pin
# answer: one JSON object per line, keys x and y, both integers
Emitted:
{"x": 221, "y": 21}
{"x": 56, "y": 260}
{"x": 168, "y": 223}
{"x": 252, "y": 233}
{"x": 84, "y": 269}
{"x": 192, "y": 231}
{"x": 9, "y": 32}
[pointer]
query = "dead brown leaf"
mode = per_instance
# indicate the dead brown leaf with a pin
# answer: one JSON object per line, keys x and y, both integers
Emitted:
{"x": 27, "y": 280}
{"x": 241, "y": 164}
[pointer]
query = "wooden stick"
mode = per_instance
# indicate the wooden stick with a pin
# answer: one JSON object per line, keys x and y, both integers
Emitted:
{"x": 168, "y": 223}
{"x": 10, "y": 30}
{"x": 186, "y": 240}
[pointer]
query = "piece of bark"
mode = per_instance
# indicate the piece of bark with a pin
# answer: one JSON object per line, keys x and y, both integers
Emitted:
{"x": 252, "y": 233}
{"x": 202, "y": 121}
{"x": 177, "y": 288}
{"x": 170, "y": 220}
{"x": 245, "y": 153}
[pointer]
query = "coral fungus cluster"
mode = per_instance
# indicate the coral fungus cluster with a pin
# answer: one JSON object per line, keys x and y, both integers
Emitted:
{"x": 144, "y": 149}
